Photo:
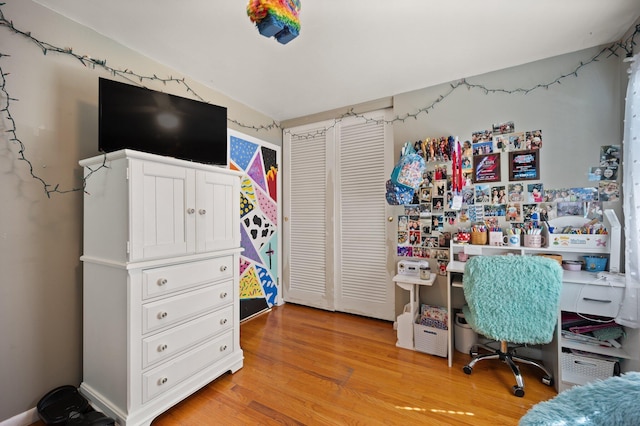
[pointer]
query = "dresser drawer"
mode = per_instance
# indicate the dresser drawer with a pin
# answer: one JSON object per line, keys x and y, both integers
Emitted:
{"x": 168, "y": 343}
{"x": 591, "y": 299}
{"x": 160, "y": 281}
{"x": 180, "y": 307}
{"x": 166, "y": 376}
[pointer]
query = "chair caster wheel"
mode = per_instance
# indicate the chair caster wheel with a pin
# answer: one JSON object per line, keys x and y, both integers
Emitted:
{"x": 547, "y": 380}
{"x": 467, "y": 369}
{"x": 518, "y": 391}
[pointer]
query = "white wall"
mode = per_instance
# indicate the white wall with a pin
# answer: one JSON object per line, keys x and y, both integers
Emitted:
{"x": 56, "y": 117}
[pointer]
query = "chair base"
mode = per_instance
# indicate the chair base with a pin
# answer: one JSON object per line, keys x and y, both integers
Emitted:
{"x": 509, "y": 357}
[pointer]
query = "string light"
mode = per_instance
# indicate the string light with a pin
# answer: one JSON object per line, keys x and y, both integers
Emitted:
{"x": 127, "y": 74}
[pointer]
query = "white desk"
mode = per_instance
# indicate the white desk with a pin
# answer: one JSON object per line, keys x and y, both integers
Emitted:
{"x": 407, "y": 317}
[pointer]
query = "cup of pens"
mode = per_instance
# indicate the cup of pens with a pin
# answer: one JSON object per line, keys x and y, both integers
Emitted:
{"x": 534, "y": 240}
{"x": 479, "y": 237}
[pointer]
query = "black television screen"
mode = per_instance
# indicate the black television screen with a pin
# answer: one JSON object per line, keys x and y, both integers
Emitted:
{"x": 146, "y": 120}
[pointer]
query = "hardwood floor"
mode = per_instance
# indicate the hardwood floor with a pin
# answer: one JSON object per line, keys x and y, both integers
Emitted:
{"x": 311, "y": 367}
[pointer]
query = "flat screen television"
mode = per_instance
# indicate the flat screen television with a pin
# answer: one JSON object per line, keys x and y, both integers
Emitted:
{"x": 146, "y": 120}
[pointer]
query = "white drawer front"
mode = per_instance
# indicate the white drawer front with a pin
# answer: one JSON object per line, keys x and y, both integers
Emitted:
{"x": 591, "y": 299}
{"x": 183, "y": 306}
{"x": 159, "y": 281}
{"x": 168, "y": 375}
{"x": 168, "y": 343}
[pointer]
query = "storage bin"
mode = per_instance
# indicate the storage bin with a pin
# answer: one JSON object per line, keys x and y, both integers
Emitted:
{"x": 464, "y": 335}
{"x": 430, "y": 340}
{"x": 595, "y": 263}
{"x": 580, "y": 369}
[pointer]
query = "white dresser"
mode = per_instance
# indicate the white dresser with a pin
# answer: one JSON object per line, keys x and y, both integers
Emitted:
{"x": 160, "y": 291}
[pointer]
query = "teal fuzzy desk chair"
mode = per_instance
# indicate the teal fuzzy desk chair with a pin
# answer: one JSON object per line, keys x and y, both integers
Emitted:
{"x": 512, "y": 299}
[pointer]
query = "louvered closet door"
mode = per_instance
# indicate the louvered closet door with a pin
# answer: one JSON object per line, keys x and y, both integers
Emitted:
{"x": 335, "y": 229}
{"x": 364, "y": 160}
{"x": 307, "y": 219}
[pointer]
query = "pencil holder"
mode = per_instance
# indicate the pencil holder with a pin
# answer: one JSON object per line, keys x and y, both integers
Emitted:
{"x": 479, "y": 238}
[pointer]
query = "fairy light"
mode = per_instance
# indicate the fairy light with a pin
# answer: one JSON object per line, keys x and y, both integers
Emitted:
{"x": 127, "y": 74}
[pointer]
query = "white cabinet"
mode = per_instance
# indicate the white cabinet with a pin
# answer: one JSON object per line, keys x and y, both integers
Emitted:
{"x": 160, "y": 290}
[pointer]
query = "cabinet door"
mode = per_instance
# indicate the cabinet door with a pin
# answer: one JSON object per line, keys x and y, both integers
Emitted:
{"x": 162, "y": 210}
{"x": 217, "y": 215}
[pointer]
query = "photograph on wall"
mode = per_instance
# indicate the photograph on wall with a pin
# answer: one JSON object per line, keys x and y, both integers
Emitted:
{"x": 405, "y": 251}
{"x": 504, "y": 128}
{"x": 610, "y": 155}
{"x": 570, "y": 208}
{"x": 414, "y": 237}
{"x": 583, "y": 194}
{"x": 515, "y": 192}
{"x": 603, "y": 173}
{"x": 524, "y": 165}
{"x": 425, "y": 194}
{"x": 425, "y": 227}
{"x": 609, "y": 191}
{"x": 533, "y": 139}
{"x": 414, "y": 223}
{"x": 451, "y": 217}
{"x": 495, "y": 210}
{"x": 516, "y": 142}
{"x": 498, "y": 194}
{"x": 467, "y": 163}
{"x": 528, "y": 210}
{"x": 412, "y": 210}
{"x": 437, "y": 223}
{"x": 437, "y": 205}
{"x": 439, "y": 188}
{"x": 468, "y": 197}
{"x": 501, "y": 143}
{"x": 483, "y": 193}
{"x": 535, "y": 192}
{"x": 547, "y": 211}
{"x": 467, "y": 150}
{"x": 476, "y": 213}
{"x": 593, "y": 210}
{"x": 403, "y": 238}
{"x": 486, "y": 168}
{"x": 481, "y": 136}
{"x": 514, "y": 212}
{"x": 403, "y": 223}
{"x": 481, "y": 148}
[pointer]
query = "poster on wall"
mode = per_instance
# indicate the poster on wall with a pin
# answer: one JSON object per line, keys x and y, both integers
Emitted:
{"x": 486, "y": 168}
{"x": 524, "y": 165}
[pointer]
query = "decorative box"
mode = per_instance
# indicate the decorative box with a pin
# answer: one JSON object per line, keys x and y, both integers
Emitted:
{"x": 600, "y": 241}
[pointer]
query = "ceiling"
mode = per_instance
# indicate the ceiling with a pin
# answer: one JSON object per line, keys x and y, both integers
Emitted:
{"x": 349, "y": 51}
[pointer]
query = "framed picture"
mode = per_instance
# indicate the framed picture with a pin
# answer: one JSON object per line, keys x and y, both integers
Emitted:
{"x": 524, "y": 165}
{"x": 486, "y": 168}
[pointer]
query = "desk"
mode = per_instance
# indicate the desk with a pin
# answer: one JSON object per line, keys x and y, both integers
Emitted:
{"x": 407, "y": 317}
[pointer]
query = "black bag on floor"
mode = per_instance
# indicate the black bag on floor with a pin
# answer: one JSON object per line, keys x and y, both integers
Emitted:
{"x": 64, "y": 405}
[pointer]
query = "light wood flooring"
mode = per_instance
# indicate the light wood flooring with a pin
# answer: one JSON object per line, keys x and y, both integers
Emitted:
{"x": 305, "y": 366}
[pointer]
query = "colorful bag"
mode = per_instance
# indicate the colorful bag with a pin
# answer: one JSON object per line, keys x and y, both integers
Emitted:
{"x": 409, "y": 170}
{"x": 398, "y": 194}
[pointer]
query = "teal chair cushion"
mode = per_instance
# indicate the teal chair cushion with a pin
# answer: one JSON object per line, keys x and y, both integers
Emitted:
{"x": 513, "y": 298}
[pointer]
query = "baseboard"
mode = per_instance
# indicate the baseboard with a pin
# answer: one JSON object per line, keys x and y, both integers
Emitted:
{"x": 22, "y": 419}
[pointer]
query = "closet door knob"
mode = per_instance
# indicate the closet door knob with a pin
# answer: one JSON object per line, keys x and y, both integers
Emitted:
{"x": 191, "y": 211}
{"x": 202, "y": 211}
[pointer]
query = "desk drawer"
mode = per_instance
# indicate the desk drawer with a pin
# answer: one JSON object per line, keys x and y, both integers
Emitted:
{"x": 591, "y": 299}
{"x": 168, "y": 343}
{"x": 163, "y": 378}
{"x": 183, "y": 306}
{"x": 168, "y": 279}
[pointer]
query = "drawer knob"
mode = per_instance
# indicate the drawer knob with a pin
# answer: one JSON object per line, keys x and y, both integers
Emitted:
{"x": 202, "y": 211}
{"x": 162, "y": 315}
{"x": 162, "y": 381}
{"x": 223, "y": 348}
{"x": 162, "y": 281}
{"x": 162, "y": 348}
{"x": 191, "y": 211}
{"x": 223, "y": 268}
{"x": 223, "y": 295}
{"x": 223, "y": 321}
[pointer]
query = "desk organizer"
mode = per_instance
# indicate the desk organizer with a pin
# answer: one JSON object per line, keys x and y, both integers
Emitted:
{"x": 584, "y": 369}
{"x": 430, "y": 340}
{"x": 479, "y": 238}
{"x": 595, "y": 263}
{"x": 579, "y": 241}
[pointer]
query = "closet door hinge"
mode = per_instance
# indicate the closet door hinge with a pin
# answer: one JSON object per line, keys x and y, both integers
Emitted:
{"x": 128, "y": 247}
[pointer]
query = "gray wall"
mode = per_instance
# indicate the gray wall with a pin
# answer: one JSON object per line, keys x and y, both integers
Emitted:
{"x": 41, "y": 239}
{"x": 576, "y": 117}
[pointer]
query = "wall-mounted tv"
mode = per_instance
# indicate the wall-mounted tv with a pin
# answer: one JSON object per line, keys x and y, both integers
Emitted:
{"x": 146, "y": 120}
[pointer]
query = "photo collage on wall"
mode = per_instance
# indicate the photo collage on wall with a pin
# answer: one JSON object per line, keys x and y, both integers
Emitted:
{"x": 427, "y": 225}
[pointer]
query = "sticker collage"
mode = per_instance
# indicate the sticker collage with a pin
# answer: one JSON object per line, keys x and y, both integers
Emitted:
{"x": 425, "y": 228}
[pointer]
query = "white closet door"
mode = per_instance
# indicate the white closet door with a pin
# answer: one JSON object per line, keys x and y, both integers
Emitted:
{"x": 307, "y": 218}
{"x": 335, "y": 230}
{"x": 364, "y": 157}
